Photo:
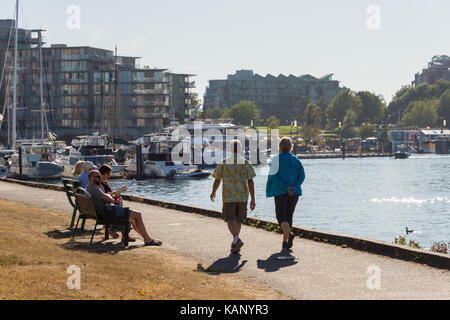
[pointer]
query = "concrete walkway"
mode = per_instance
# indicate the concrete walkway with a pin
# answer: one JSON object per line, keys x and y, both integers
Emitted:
{"x": 321, "y": 271}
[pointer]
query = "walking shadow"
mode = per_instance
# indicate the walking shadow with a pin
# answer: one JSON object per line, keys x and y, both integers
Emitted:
{"x": 229, "y": 264}
{"x": 277, "y": 261}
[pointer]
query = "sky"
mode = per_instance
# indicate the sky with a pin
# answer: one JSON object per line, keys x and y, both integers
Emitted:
{"x": 375, "y": 45}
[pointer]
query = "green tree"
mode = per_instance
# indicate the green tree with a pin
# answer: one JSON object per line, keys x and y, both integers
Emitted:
{"x": 421, "y": 114}
{"x": 312, "y": 115}
{"x": 367, "y": 130}
{"x": 309, "y": 134}
{"x": 215, "y": 113}
{"x": 344, "y": 101}
{"x": 273, "y": 122}
{"x": 300, "y": 108}
{"x": 443, "y": 106}
{"x": 373, "y": 107}
{"x": 243, "y": 112}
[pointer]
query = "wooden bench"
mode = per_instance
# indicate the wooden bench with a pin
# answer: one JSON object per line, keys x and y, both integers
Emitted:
{"x": 87, "y": 211}
{"x": 71, "y": 186}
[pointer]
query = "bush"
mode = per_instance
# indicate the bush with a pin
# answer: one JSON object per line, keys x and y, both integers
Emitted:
{"x": 440, "y": 247}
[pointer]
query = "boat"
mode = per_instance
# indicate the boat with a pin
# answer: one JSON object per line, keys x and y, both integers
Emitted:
{"x": 157, "y": 162}
{"x": 402, "y": 152}
{"x": 88, "y": 148}
{"x": 33, "y": 161}
{"x": 216, "y": 134}
{"x": 402, "y": 155}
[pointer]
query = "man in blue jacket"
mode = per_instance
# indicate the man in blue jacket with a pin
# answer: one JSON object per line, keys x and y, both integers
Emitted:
{"x": 285, "y": 179}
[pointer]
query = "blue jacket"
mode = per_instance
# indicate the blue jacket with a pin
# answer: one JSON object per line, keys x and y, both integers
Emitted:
{"x": 286, "y": 171}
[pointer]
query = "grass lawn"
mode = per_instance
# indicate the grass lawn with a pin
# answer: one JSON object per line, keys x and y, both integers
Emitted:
{"x": 35, "y": 254}
{"x": 284, "y": 130}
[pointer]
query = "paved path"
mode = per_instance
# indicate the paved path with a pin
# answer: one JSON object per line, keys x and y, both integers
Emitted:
{"x": 321, "y": 271}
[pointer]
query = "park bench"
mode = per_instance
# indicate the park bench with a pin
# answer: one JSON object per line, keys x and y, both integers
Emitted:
{"x": 70, "y": 187}
{"x": 87, "y": 211}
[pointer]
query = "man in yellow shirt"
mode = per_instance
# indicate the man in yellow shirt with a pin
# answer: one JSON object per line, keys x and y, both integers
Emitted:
{"x": 237, "y": 175}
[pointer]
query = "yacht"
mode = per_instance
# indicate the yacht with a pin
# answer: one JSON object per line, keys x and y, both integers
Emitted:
{"x": 88, "y": 148}
{"x": 157, "y": 161}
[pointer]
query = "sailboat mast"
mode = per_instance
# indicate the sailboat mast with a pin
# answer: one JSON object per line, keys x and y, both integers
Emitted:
{"x": 41, "y": 87}
{"x": 14, "y": 120}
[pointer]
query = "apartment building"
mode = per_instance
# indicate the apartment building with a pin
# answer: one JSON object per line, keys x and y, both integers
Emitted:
{"x": 275, "y": 96}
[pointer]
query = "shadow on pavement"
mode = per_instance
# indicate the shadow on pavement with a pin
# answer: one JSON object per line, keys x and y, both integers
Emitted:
{"x": 229, "y": 264}
{"x": 277, "y": 261}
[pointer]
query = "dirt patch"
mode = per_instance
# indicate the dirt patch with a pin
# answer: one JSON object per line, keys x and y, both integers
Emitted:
{"x": 35, "y": 253}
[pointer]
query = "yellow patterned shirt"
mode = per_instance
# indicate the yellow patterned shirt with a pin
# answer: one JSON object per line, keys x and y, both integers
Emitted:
{"x": 234, "y": 175}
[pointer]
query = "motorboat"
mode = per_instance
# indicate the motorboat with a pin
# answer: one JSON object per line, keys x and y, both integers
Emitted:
{"x": 34, "y": 161}
{"x": 88, "y": 148}
{"x": 157, "y": 161}
{"x": 401, "y": 155}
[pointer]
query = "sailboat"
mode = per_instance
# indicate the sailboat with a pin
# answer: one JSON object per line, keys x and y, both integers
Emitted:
{"x": 33, "y": 159}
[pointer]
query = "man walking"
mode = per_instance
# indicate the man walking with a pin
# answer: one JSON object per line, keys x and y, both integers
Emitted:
{"x": 237, "y": 175}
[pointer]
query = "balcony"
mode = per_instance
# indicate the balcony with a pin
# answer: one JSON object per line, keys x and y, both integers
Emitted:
{"x": 151, "y": 91}
{"x": 149, "y": 80}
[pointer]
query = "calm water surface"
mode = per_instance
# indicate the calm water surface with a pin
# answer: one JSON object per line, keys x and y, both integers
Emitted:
{"x": 369, "y": 197}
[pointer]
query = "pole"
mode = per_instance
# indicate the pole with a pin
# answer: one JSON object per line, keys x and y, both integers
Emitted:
{"x": 41, "y": 87}
{"x": 14, "y": 115}
{"x": 116, "y": 95}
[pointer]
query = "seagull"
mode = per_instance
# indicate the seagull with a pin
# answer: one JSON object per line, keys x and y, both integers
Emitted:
{"x": 409, "y": 231}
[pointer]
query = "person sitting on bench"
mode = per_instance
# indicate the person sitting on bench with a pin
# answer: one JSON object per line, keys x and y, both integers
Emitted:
{"x": 102, "y": 200}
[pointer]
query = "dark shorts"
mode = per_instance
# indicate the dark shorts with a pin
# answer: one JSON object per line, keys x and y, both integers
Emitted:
{"x": 285, "y": 207}
{"x": 235, "y": 211}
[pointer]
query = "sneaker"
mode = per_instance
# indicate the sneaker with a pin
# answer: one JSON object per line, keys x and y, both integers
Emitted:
{"x": 236, "y": 248}
{"x": 290, "y": 242}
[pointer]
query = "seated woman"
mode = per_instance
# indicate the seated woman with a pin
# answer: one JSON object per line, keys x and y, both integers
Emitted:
{"x": 105, "y": 172}
{"x": 81, "y": 172}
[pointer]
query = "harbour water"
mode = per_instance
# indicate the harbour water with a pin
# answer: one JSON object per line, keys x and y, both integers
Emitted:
{"x": 369, "y": 197}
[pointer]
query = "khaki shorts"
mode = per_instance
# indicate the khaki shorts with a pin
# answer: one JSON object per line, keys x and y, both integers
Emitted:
{"x": 235, "y": 211}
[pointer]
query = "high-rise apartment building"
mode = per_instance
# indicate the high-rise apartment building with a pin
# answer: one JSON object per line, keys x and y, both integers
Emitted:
{"x": 79, "y": 85}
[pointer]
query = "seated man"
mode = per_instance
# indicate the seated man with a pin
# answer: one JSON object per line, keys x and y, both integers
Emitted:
{"x": 101, "y": 200}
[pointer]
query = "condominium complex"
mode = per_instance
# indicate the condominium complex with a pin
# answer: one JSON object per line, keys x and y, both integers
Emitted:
{"x": 438, "y": 68}
{"x": 79, "y": 89}
{"x": 275, "y": 96}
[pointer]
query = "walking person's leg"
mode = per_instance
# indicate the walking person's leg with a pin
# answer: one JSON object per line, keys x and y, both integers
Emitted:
{"x": 291, "y": 209}
{"x": 281, "y": 210}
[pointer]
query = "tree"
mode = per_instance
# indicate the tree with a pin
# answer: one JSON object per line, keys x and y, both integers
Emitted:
{"x": 273, "y": 122}
{"x": 215, "y": 113}
{"x": 421, "y": 114}
{"x": 367, "y": 130}
{"x": 312, "y": 115}
{"x": 309, "y": 134}
{"x": 373, "y": 107}
{"x": 300, "y": 108}
{"x": 344, "y": 101}
{"x": 443, "y": 106}
{"x": 243, "y": 112}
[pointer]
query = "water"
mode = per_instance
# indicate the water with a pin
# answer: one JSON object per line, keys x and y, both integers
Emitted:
{"x": 370, "y": 197}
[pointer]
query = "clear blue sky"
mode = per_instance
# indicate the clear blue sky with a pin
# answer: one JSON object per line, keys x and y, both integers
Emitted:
{"x": 214, "y": 38}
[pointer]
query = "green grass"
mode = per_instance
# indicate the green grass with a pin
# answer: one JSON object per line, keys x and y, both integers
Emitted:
{"x": 284, "y": 130}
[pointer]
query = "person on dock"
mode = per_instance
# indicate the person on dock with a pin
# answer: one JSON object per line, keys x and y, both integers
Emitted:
{"x": 102, "y": 199}
{"x": 82, "y": 170}
{"x": 284, "y": 182}
{"x": 237, "y": 175}
{"x": 105, "y": 171}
